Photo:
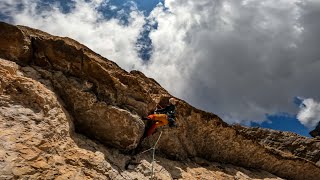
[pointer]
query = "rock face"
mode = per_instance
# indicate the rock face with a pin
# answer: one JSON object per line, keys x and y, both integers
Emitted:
{"x": 307, "y": 148}
{"x": 35, "y": 132}
{"x": 52, "y": 87}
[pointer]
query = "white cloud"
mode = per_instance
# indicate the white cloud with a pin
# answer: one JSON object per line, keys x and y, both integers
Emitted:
{"x": 239, "y": 59}
{"x": 215, "y": 50}
{"x": 109, "y": 38}
{"x": 309, "y": 114}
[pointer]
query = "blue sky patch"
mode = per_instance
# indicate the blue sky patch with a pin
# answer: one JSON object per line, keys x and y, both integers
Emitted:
{"x": 144, "y": 43}
{"x": 283, "y": 122}
{"x": 65, "y": 6}
{"x": 5, "y": 16}
{"x": 120, "y": 9}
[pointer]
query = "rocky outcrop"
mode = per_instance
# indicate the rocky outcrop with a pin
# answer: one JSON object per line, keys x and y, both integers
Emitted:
{"x": 37, "y": 141}
{"x": 307, "y": 148}
{"x": 35, "y": 133}
{"x": 96, "y": 98}
{"x": 83, "y": 90}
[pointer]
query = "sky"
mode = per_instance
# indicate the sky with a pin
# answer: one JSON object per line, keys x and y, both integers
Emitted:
{"x": 252, "y": 62}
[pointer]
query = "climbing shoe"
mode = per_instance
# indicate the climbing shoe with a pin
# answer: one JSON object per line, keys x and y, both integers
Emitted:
{"x": 172, "y": 124}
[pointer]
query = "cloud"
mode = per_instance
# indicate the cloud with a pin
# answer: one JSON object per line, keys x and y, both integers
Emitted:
{"x": 240, "y": 59}
{"x": 110, "y": 38}
{"x": 309, "y": 114}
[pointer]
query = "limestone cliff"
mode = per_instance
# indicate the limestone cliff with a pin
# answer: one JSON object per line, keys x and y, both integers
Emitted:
{"x": 307, "y": 148}
{"x": 67, "y": 112}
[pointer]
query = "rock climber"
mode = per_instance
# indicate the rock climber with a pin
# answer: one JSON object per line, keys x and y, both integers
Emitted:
{"x": 316, "y": 131}
{"x": 162, "y": 117}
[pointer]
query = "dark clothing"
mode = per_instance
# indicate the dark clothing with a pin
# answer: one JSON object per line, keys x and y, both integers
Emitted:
{"x": 170, "y": 111}
{"x": 162, "y": 117}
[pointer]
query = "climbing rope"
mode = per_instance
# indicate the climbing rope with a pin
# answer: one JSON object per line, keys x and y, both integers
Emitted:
{"x": 153, "y": 153}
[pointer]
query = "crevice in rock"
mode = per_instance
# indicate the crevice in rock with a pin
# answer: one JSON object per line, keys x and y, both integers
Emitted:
{"x": 38, "y": 58}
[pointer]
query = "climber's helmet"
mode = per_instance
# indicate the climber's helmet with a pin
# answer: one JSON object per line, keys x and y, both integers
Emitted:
{"x": 173, "y": 101}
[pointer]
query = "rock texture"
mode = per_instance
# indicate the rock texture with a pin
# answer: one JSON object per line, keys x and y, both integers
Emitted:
{"x": 37, "y": 141}
{"x": 307, "y": 148}
{"x": 52, "y": 87}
